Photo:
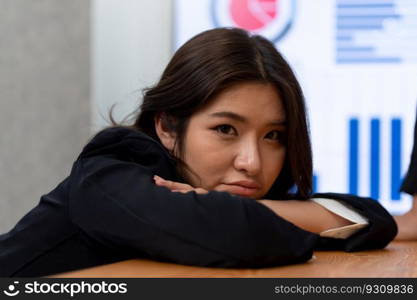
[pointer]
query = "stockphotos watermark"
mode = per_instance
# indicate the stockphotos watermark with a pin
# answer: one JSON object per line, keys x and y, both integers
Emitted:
{"x": 66, "y": 288}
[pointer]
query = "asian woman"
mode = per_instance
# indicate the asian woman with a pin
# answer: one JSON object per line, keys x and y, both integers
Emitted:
{"x": 215, "y": 170}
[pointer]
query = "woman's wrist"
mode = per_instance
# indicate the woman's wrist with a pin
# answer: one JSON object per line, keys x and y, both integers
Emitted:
{"x": 318, "y": 219}
{"x": 414, "y": 203}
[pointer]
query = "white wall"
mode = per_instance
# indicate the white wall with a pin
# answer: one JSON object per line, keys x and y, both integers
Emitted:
{"x": 61, "y": 63}
{"x": 131, "y": 45}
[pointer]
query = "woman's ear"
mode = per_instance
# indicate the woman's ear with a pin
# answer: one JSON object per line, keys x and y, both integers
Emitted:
{"x": 165, "y": 132}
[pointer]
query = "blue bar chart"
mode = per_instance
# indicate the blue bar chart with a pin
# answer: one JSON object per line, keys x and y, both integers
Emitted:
{"x": 375, "y": 31}
{"x": 375, "y": 162}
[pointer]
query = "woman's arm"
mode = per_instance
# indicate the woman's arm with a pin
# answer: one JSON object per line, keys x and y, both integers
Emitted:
{"x": 380, "y": 230}
{"x": 317, "y": 220}
{"x": 307, "y": 215}
{"x": 310, "y": 216}
{"x": 119, "y": 206}
{"x": 407, "y": 223}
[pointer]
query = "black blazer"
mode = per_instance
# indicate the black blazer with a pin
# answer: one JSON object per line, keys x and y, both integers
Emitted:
{"x": 409, "y": 184}
{"x": 109, "y": 209}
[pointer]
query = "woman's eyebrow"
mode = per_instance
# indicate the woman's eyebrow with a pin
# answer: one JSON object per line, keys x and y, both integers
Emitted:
{"x": 242, "y": 119}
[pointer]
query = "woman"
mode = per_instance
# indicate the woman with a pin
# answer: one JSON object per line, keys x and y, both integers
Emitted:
{"x": 225, "y": 133}
{"x": 407, "y": 223}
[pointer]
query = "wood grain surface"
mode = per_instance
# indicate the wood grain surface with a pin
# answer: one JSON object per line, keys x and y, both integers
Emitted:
{"x": 399, "y": 259}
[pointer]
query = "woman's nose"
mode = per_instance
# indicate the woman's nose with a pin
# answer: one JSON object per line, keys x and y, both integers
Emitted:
{"x": 248, "y": 158}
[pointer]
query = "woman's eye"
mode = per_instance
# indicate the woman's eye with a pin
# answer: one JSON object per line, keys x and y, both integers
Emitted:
{"x": 225, "y": 129}
{"x": 276, "y": 135}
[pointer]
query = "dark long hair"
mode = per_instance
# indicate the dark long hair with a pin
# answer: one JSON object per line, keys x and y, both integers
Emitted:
{"x": 215, "y": 60}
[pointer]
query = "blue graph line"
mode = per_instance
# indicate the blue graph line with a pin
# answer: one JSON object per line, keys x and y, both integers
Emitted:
{"x": 359, "y": 27}
{"x": 353, "y": 60}
{"x": 344, "y": 37}
{"x": 366, "y": 5}
{"x": 315, "y": 183}
{"x": 355, "y": 49}
{"x": 370, "y": 17}
{"x": 361, "y": 22}
{"x": 395, "y": 158}
{"x": 353, "y": 168}
{"x": 375, "y": 158}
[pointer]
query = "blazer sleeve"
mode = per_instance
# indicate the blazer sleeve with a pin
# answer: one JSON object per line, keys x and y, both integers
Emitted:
{"x": 117, "y": 204}
{"x": 381, "y": 229}
{"x": 409, "y": 185}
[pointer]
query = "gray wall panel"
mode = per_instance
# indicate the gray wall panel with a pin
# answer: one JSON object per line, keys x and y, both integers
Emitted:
{"x": 44, "y": 98}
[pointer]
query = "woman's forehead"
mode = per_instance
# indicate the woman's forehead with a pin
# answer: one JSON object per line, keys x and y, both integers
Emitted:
{"x": 248, "y": 100}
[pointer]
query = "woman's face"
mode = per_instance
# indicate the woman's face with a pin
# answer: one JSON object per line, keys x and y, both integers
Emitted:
{"x": 236, "y": 143}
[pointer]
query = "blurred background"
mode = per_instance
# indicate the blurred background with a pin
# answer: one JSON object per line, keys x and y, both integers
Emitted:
{"x": 64, "y": 63}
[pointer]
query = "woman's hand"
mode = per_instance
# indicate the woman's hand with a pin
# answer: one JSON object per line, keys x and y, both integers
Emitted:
{"x": 407, "y": 224}
{"x": 177, "y": 186}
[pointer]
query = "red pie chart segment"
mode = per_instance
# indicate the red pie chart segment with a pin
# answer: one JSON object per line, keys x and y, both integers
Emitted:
{"x": 253, "y": 14}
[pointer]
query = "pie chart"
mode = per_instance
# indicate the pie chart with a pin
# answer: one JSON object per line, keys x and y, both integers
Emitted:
{"x": 253, "y": 14}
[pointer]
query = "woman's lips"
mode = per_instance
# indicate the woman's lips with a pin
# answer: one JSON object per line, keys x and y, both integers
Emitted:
{"x": 242, "y": 189}
{"x": 246, "y": 183}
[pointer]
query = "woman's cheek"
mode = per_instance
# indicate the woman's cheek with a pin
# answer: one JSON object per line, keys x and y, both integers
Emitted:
{"x": 206, "y": 158}
{"x": 215, "y": 165}
{"x": 273, "y": 170}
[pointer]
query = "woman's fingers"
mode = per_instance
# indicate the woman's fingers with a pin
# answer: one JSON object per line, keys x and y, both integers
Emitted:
{"x": 172, "y": 185}
{"x": 177, "y": 186}
{"x": 200, "y": 191}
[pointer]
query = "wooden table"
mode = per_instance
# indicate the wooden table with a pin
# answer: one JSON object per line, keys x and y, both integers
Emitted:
{"x": 399, "y": 259}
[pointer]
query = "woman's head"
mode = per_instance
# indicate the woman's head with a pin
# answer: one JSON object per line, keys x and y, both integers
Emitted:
{"x": 214, "y": 109}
